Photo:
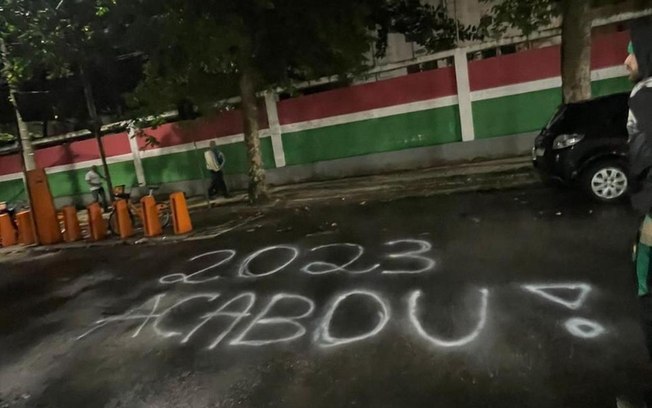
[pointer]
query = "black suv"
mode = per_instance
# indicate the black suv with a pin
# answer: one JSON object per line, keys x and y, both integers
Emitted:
{"x": 585, "y": 144}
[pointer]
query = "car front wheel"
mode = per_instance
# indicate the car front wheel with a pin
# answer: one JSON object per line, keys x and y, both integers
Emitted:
{"x": 606, "y": 181}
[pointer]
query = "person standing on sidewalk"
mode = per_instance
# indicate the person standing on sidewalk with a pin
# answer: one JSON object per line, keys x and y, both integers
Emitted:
{"x": 94, "y": 180}
{"x": 215, "y": 161}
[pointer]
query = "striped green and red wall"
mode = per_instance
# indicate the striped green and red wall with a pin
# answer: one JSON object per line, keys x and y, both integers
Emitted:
{"x": 510, "y": 95}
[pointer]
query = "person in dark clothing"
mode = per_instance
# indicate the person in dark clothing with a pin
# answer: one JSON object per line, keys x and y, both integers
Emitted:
{"x": 215, "y": 161}
{"x": 639, "y": 126}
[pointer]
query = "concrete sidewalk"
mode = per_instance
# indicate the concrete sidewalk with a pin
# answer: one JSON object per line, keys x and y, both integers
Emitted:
{"x": 484, "y": 175}
{"x": 221, "y": 216}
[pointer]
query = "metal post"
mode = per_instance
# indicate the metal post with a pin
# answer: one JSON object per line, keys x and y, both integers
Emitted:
{"x": 464, "y": 95}
{"x": 135, "y": 152}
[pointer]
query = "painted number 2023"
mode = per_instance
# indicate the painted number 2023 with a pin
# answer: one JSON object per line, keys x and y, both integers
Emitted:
{"x": 411, "y": 257}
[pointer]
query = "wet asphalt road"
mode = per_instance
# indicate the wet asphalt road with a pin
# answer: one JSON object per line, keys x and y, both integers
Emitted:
{"x": 504, "y": 299}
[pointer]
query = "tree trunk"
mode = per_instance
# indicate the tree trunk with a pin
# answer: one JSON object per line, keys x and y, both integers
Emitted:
{"x": 96, "y": 126}
{"x": 576, "y": 50}
{"x": 257, "y": 183}
{"x": 26, "y": 148}
{"x": 25, "y": 142}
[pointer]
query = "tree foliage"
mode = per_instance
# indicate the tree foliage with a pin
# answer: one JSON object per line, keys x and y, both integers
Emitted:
{"x": 59, "y": 38}
{"x": 49, "y": 42}
{"x": 196, "y": 50}
{"x": 55, "y": 36}
{"x": 528, "y": 16}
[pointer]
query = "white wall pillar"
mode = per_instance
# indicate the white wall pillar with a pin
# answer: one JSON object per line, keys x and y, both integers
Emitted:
{"x": 138, "y": 163}
{"x": 464, "y": 94}
{"x": 275, "y": 128}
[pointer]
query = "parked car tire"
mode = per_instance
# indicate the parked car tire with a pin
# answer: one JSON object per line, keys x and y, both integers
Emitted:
{"x": 606, "y": 181}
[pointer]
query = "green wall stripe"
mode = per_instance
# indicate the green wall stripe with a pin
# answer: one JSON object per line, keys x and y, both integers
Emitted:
{"x": 12, "y": 190}
{"x": 72, "y": 183}
{"x": 514, "y": 114}
{"x": 189, "y": 165}
{"x": 528, "y": 112}
{"x": 415, "y": 129}
{"x": 611, "y": 86}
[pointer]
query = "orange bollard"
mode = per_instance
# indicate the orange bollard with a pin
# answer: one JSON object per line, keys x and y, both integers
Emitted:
{"x": 26, "y": 234}
{"x": 72, "y": 231}
{"x": 151, "y": 223}
{"x": 125, "y": 226}
{"x": 47, "y": 225}
{"x": 7, "y": 231}
{"x": 180, "y": 214}
{"x": 96, "y": 223}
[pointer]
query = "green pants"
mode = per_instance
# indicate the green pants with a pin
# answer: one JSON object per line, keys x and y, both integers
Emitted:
{"x": 643, "y": 256}
{"x": 643, "y": 262}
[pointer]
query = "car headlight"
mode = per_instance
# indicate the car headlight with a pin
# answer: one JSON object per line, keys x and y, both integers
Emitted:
{"x": 564, "y": 141}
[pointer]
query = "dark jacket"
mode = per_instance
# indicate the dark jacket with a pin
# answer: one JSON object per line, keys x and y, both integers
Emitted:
{"x": 639, "y": 123}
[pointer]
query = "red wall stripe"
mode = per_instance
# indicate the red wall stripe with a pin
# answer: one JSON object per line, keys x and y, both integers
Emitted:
{"x": 83, "y": 150}
{"x": 224, "y": 124}
{"x": 209, "y": 127}
{"x": 10, "y": 164}
{"x": 68, "y": 153}
{"x": 608, "y": 50}
{"x": 511, "y": 69}
{"x": 410, "y": 88}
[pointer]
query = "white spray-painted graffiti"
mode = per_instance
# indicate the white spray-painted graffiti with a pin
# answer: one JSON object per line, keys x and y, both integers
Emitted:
{"x": 482, "y": 319}
{"x": 583, "y": 328}
{"x": 547, "y": 291}
{"x": 263, "y": 318}
{"x": 287, "y": 317}
{"x": 424, "y": 247}
{"x": 323, "y": 335}
{"x": 182, "y": 277}
{"x": 577, "y": 326}
{"x": 313, "y": 267}
{"x": 287, "y": 254}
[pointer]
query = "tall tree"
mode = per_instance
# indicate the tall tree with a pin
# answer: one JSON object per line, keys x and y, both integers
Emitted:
{"x": 532, "y": 15}
{"x": 64, "y": 38}
{"x": 24, "y": 139}
{"x": 202, "y": 51}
